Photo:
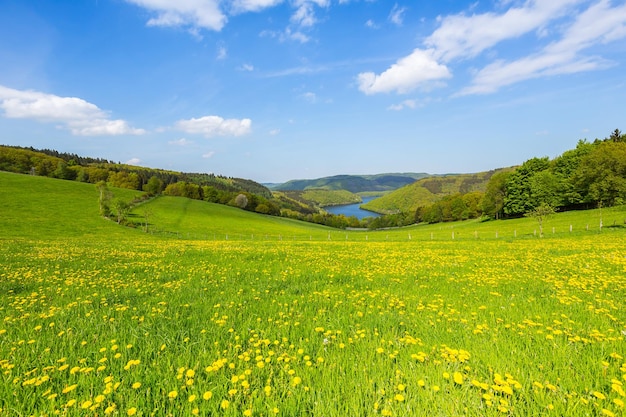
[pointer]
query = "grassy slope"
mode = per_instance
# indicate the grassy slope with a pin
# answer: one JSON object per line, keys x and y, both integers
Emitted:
{"x": 44, "y": 208}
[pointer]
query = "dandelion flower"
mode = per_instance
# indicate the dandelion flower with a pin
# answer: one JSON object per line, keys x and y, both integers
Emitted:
{"x": 172, "y": 394}
{"x": 207, "y": 395}
{"x": 136, "y": 385}
{"x": 224, "y": 404}
{"x": 458, "y": 378}
{"x": 131, "y": 411}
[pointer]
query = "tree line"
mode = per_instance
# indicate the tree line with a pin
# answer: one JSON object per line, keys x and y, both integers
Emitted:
{"x": 591, "y": 175}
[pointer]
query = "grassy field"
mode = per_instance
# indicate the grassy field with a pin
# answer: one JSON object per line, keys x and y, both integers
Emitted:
{"x": 223, "y": 312}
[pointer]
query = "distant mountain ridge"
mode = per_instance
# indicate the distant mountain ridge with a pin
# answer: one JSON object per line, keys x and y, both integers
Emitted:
{"x": 352, "y": 183}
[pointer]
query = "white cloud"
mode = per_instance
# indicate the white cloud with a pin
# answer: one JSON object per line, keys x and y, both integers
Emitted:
{"x": 241, "y": 6}
{"x": 411, "y": 104}
{"x": 205, "y": 14}
{"x": 370, "y": 24}
{"x": 77, "y": 115}
{"x": 133, "y": 161}
{"x": 208, "y": 154}
{"x": 396, "y": 16}
{"x": 210, "y": 126}
{"x": 222, "y": 52}
{"x": 247, "y": 67}
{"x": 462, "y": 37}
{"x": 180, "y": 142}
{"x": 600, "y": 23}
{"x": 413, "y": 71}
{"x": 274, "y": 132}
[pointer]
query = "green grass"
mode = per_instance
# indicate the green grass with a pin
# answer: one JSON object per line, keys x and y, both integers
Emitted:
{"x": 108, "y": 318}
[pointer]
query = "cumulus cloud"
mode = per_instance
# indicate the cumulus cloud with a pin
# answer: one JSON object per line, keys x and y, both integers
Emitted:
{"x": 205, "y": 14}
{"x": 211, "y": 126}
{"x": 566, "y": 27}
{"x": 208, "y": 154}
{"x": 411, "y": 104}
{"x": 409, "y": 73}
{"x": 133, "y": 161}
{"x": 77, "y": 115}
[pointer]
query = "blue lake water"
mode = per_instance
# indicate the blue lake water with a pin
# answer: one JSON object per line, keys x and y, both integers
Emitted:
{"x": 353, "y": 209}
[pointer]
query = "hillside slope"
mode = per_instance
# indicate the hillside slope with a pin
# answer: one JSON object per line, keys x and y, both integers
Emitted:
{"x": 428, "y": 190}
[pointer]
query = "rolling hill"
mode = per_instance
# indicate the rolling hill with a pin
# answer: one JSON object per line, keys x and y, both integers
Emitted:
{"x": 427, "y": 190}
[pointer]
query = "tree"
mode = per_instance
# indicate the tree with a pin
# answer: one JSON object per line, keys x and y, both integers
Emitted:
{"x": 601, "y": 176}
{"x": 617, "y": 136}
{"x": 154, "y": 186}
{"x": 122, "y": 209}
{"x": 541, "y": 213}
{"x": 495, "y": 194}
{"x": 545, "y": 188}
{"x": 518, "y": 198}
{"x": 104, "y": 198}
{"x": 241, "y": 201}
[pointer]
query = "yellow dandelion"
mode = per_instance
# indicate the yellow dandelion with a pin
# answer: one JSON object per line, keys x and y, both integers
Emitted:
{"x": 297, "y": 380}
{"x": 86, "y": 404}
{"x": 136, "y": 385}
{"x": 172, "y": 394}
{"x": 458, "y": 378}
{"x": 207, "y": 395}
{"x": 69, "y": 388}
{"x": 247, "y": 412}
{"x": 224, "y": 404}
{"x": 190, "y": 373}
{"x": 599, "y": 395}
{"x": 131, "y": 411}
{"x": 399, "y": 397}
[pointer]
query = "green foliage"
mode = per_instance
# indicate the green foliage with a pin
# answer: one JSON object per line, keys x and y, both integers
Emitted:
{"x": 427, "y": 191}
{"x": 601, "y": 175}
{"x": 325, "y": 198}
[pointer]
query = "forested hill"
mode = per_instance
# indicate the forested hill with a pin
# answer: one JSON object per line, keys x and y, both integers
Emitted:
{"x": 427, "y": 191}
{"x": 353, "y": 183}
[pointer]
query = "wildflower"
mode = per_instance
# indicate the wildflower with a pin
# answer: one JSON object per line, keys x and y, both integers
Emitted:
{"x": 599, "y": 395}
{"x": 131, "y": 411}
{"x": 69, "y": 388}
{"x": 458, "y": 378}
{"x": 207, "y": 395}
{"x": 247, "y": 412}
{"x": 172, "y": 394}
{"x": 136, "y": 385}
{"x": 224, "y": 404}
{"x": 85, "y": 405}
{"x": 399, "y": 397}
{"x": 297, "y": 380}
{"x": 191, "y": 398}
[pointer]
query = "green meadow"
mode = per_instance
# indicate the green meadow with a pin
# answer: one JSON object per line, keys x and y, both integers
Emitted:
{"x": 212, "y": 310}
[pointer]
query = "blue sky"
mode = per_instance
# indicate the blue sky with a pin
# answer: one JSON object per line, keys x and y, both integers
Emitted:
{"x": 274, "y": 90}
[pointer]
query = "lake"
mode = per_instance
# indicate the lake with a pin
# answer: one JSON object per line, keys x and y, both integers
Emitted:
{"x": 353, "y": 209}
